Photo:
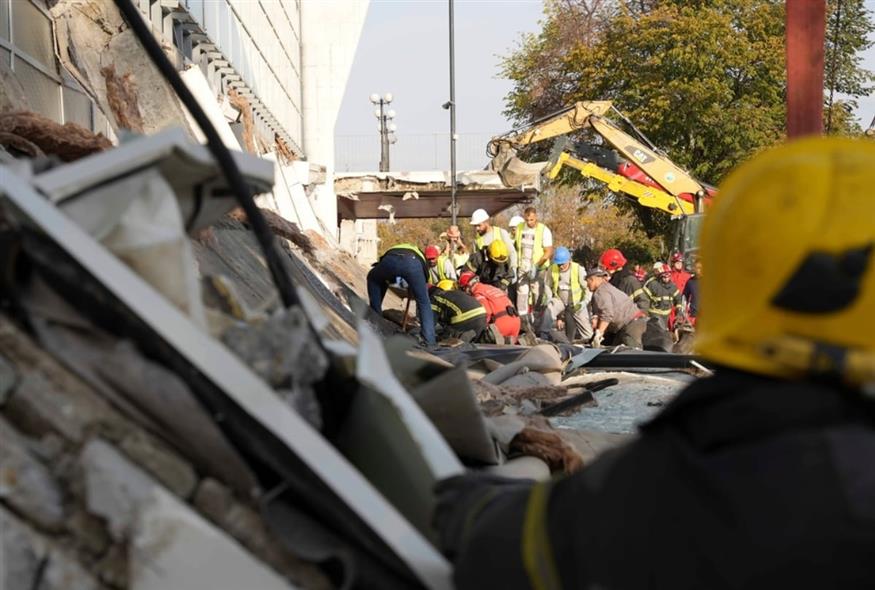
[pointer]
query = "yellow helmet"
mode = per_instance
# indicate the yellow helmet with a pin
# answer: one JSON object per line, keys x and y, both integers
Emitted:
{"x": 789, "y": 245}
{"x": 498, "y": 251}
{"x": 446, "y": 285}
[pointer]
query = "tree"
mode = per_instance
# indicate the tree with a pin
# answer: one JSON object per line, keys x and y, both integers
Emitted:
{"x": 849, "y": 26}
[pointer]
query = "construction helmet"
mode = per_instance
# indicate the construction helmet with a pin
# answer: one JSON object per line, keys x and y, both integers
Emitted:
{"x": 432, "y": 252}
{"x": 612, "y": 259}
{"x": 498, "y": 251}
{"x": 561, "y": 255}
{"x": 515, "y": 221}
{"x": 446, "y": 285}
{"x": 468, "y": 279}
{"x": 479, "y": 216}
{"x": 663, "y": 269}
{"x": 677, "y": 257}
{"x": 802, "y": 218}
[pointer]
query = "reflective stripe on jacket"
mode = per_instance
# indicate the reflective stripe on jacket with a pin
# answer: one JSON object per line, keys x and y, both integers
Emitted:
{"x": 662, "y": 296}
{"x": 452, "y": 312}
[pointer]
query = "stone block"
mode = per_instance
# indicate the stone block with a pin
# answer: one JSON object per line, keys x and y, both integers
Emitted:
{"x": 176, "y": 475}
{"x": 25, "y": 483}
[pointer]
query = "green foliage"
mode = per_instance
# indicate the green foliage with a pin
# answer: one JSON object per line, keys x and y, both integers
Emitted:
{"x": 705, "y": 80}
{"x": 849, "y": 26}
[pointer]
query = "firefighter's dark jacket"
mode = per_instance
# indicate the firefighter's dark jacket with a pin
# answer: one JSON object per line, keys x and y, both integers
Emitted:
{"x": 741, "y": 482}
{"x": 625, "y": 280}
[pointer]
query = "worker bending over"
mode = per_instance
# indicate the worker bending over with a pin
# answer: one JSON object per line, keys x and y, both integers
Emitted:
{"x": 759, "y": 477}
{"x": 501, "y": 316}
{"x": 492, "y": 265}
{"x": 567, "y": 298}
{"x": 615, "y": 317}
{"x": 405, "y": 262}
{"x": 457, "y": 314}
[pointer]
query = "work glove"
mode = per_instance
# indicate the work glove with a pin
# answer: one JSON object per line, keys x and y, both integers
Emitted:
{"x": 533, "y": 274}
{"x": 461, "y": 498}
{"x": 597, "y": 338}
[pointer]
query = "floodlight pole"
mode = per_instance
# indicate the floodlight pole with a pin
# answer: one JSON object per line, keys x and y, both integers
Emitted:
{"x": 452, "y": 115}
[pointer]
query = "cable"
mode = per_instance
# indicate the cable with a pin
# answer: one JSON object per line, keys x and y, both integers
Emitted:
{"x": 217, "y": 148}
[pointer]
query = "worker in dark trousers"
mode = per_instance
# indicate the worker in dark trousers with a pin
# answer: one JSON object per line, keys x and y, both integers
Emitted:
{"x": 458, "y": 315}
{"x": 665, "y": 300}
{"x": 615, "y": 317}
{"x": 613, "y": 261}
{"x": 759, "y": 477}
{"x": 691, "y": 293}
{"x": 405, "y": 262}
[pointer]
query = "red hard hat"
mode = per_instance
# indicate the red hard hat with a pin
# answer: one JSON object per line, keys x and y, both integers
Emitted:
{"x": 665, "y": 269}
{"x": 612, "y": 259}
{"x": 677, "y": 256}
{"x": 432, "y": 252}
{"x": 467, "y": 278}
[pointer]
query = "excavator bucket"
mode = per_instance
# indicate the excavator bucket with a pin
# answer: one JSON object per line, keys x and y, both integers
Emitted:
{"x": 515, "y": 172}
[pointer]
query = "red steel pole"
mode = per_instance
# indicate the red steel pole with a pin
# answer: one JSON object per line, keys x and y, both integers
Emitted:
{"x": 806, "y": 25}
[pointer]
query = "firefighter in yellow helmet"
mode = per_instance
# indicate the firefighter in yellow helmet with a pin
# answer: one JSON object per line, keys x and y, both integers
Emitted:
{"x": 492, "y": 265}
{"x": 758, "y": 477}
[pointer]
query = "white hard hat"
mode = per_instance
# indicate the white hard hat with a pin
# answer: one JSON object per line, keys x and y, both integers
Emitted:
{"x": 479, "y": 216}
{"x": 515, "y": 221}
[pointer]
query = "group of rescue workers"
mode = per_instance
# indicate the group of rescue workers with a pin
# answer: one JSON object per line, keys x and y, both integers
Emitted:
{"x": 513, "y": 282}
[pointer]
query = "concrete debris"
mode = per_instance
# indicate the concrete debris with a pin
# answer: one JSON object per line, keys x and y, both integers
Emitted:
{"x": 19, "y": 146}
{"x": 216, "y": 502}
{"x": 282, "y": 351}
{"x": 241, "y": 104}
{"x": 25, "y": 484}
{"x": 69, "y": 141}
{"x": 96, "y": 46}
{"x": 29, "y": 560}
{"x": 173, "y": 547}
{"x": 539, "y": 441}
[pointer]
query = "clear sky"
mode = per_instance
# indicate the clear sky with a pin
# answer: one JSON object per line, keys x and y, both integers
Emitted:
{"x": 403, "y": 50}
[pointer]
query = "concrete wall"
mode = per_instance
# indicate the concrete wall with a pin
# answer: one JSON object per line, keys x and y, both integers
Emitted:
{"x": 331, "y": 31}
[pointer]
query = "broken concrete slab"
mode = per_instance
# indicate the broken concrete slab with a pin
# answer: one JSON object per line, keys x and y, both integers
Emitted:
{"x": 174, "y": 473}
{"x": 174, "y": 547}
{"x": 29, "y": 560}
{"x": 25, "y": 483}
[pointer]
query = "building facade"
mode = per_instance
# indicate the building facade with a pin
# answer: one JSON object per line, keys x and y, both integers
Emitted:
{"x": 285, "y": 61}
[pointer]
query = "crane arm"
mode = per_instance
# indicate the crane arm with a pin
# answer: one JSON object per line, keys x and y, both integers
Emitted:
{"x": 560, "y": 123}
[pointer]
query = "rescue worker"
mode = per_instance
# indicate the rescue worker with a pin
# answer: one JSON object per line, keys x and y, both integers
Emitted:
{"x": 691, "y": 293}
{"x": 664, "y": 299}
{"x": 534, "y": 250}
{"x": 486, "y": 233}
{"x": 679, "y": 275}
{"x": 406, "y": 262}
{"x": 493, "y": 268}
{"x": 514, "y": 224}
{"x": 567, "y": 298}
{"x": 615, "y": 317}
{"x": 457, "y": 314}
{"x": 759, "y": 477}
{"x": 440, "y": 266}
{"x": 454, "y": 248}
{"x": 613, "y": 261}
{"x": 501, "y": 315}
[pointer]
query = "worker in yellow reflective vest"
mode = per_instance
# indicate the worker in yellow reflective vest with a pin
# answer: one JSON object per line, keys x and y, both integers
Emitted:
{"x": 567, "y": 297}
{"x": 440, "y": 266}
{"x": 534, "y": 249}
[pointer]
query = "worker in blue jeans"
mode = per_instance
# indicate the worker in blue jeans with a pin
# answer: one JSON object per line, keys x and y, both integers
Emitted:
{"x": 407, "y": 262}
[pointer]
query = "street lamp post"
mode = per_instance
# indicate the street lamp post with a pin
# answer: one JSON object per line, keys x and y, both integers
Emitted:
{"x": 387, "y": 127}
{"x": 452, "y": 107}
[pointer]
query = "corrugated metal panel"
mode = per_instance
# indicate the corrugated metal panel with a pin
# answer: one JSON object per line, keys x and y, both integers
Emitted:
{"x": 42, "y": 92}
{"x": 33, "y": 32}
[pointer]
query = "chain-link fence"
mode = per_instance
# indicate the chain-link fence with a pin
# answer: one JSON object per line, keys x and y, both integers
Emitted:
{"x": 426, "y": 151}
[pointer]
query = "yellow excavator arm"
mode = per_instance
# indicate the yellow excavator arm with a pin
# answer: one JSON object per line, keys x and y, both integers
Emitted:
{"x": 646, "y": 196}
{"x": 590, "y": 115}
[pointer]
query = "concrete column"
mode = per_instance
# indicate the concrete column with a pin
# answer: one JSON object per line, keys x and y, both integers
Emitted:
{"x": 330, "y": 35}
